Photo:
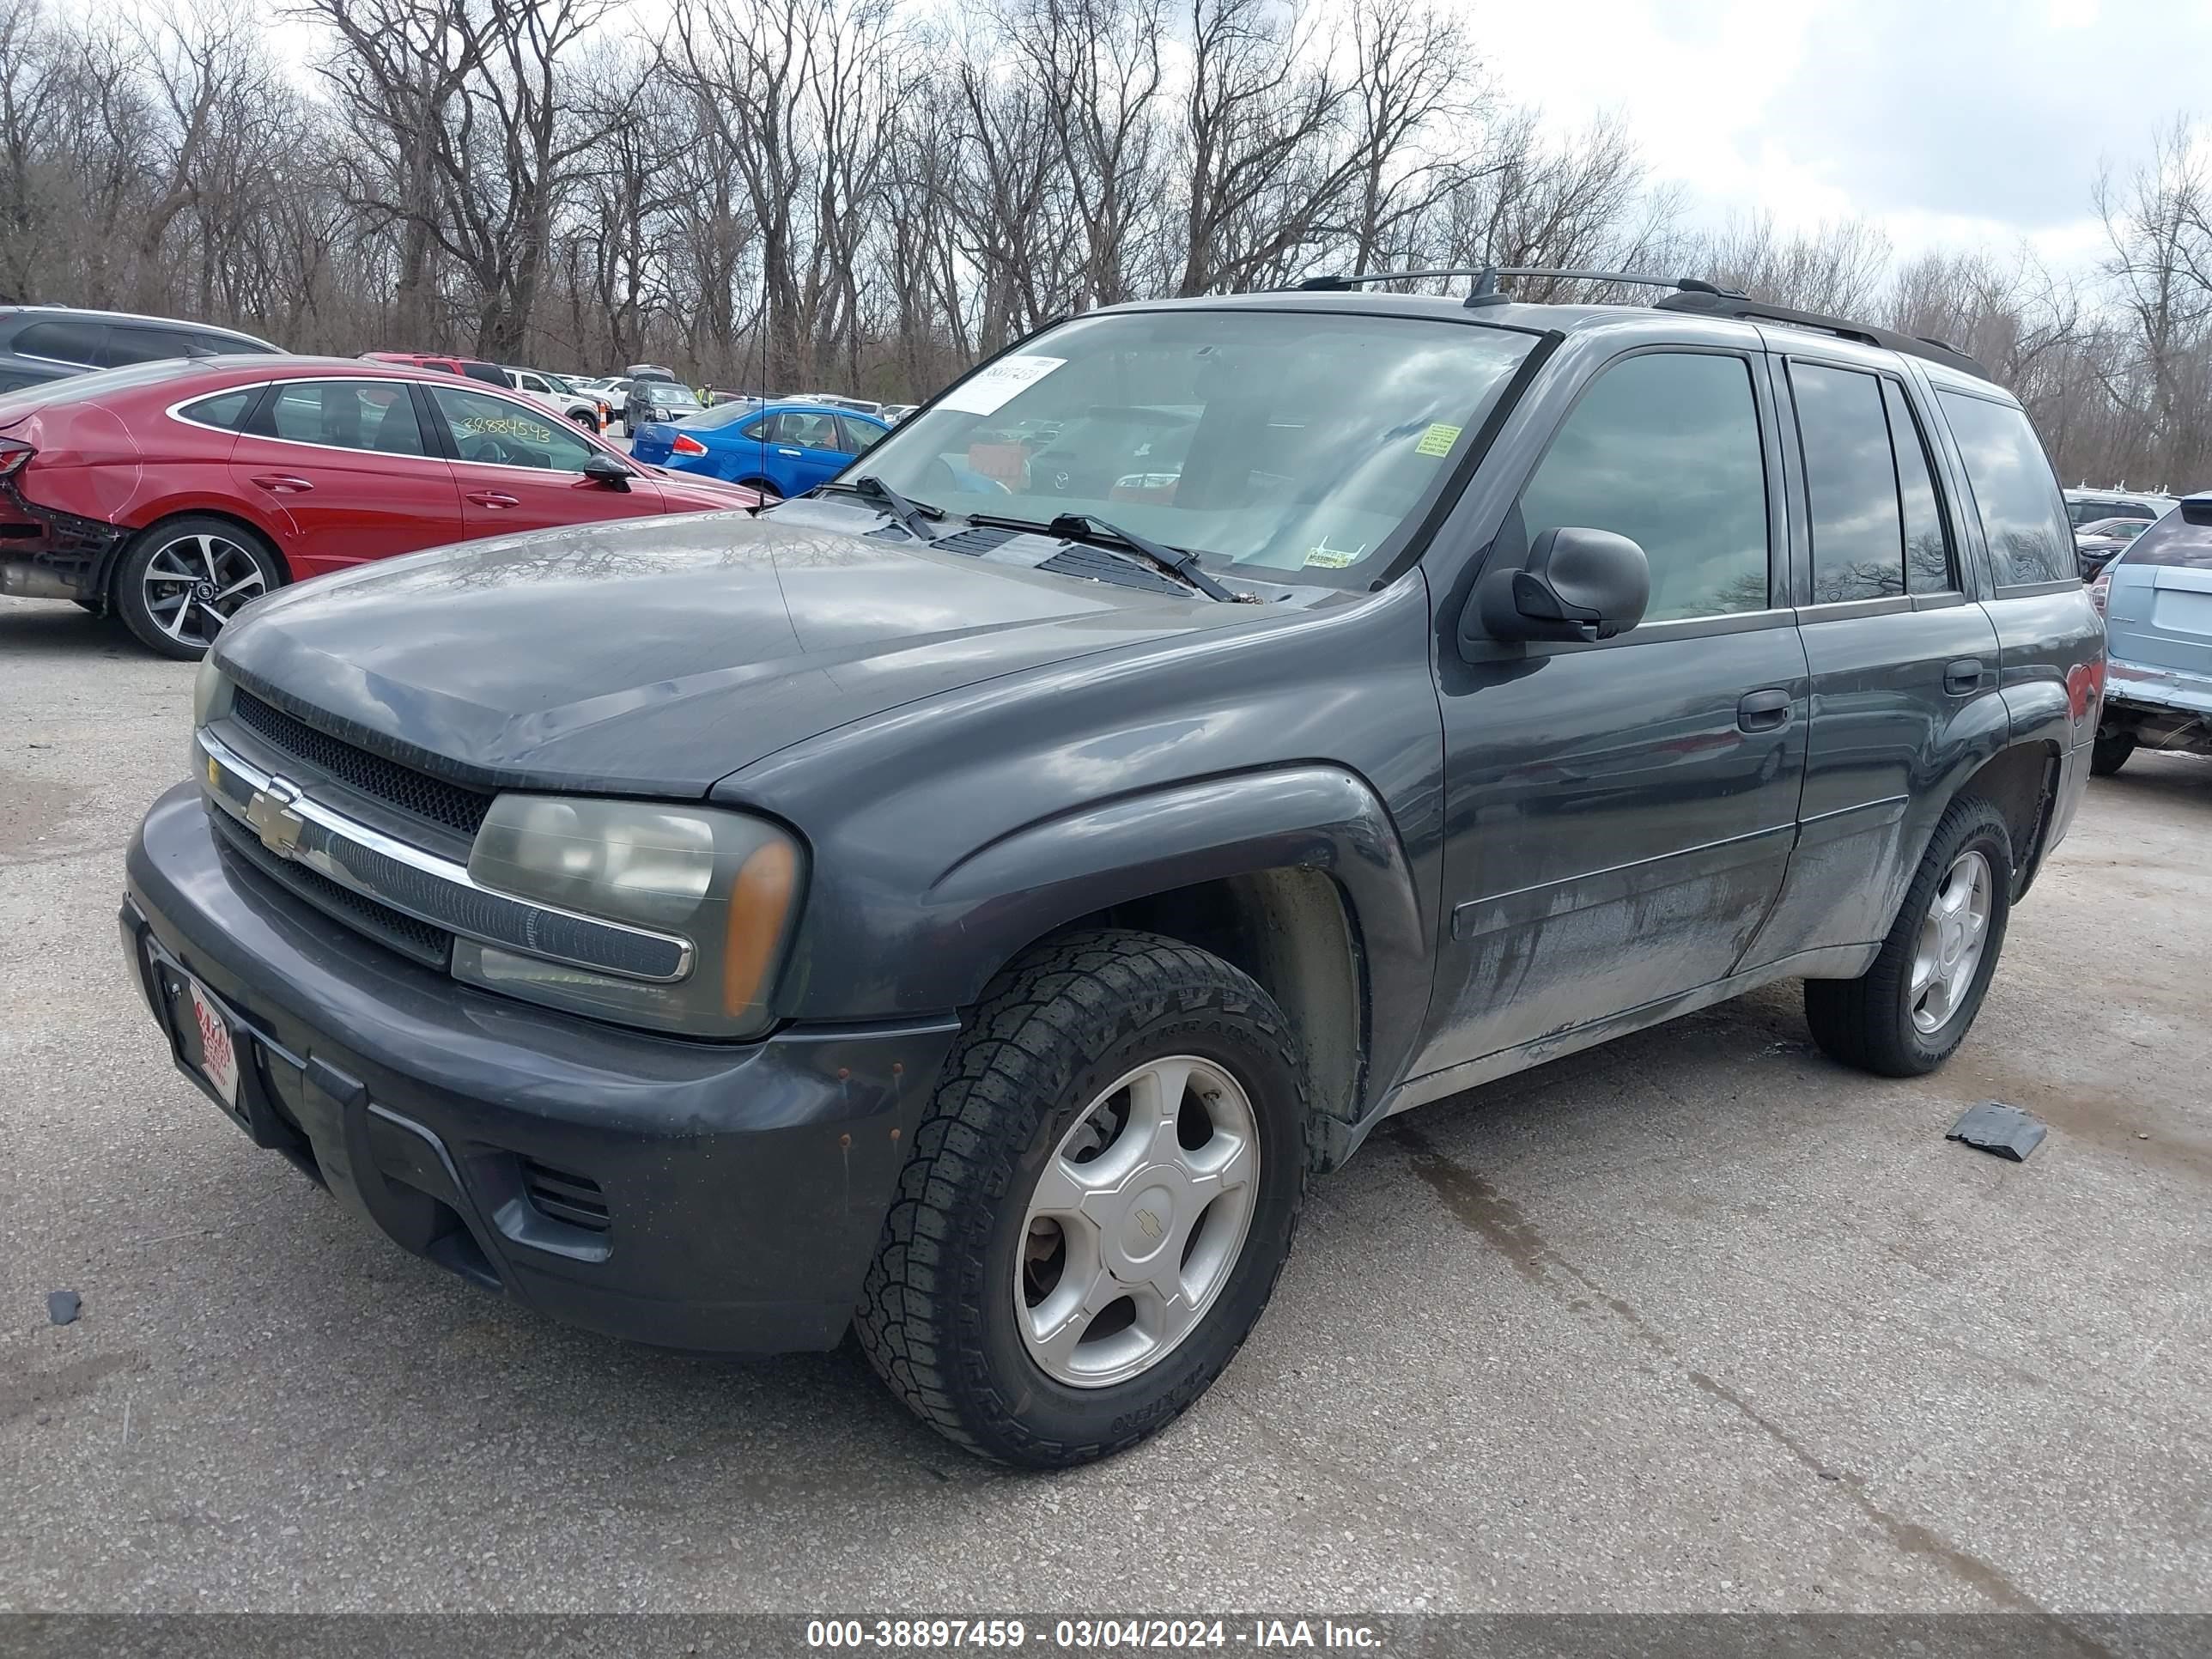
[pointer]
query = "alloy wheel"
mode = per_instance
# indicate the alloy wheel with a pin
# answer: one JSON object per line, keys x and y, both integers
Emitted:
{"x": 195, "y": 584}
{"x": 1952, "y": 936}
{"x": 1137, "y": 1222}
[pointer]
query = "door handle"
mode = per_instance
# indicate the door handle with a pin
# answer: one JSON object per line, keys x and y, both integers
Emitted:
{"x": 283, "y": 483}
{"x": 1763, "y": 711}
{"x": 1962, "y": 675}
{"x": 493, "y": 498}
{"x": 792, "y": 452}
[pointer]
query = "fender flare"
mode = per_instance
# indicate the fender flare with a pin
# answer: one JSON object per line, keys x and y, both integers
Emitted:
{"x": 998, "y": 899}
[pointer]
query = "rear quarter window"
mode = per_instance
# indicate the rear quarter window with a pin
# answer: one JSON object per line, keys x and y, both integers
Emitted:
{"x": 2023, "y": 515}
{"x": 2176, "y": 540}
{"x": 226, "y": 410}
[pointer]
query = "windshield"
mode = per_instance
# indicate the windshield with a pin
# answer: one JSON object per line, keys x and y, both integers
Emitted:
{"x": 663, "y": 391}
{"x": 1294, "y": 440}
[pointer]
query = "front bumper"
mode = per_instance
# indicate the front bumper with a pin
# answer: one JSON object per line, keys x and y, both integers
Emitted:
{"x": 694, "y": 1195}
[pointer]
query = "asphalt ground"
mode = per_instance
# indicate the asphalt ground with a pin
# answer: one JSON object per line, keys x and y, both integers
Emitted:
{"x": 1696, "y": 1320}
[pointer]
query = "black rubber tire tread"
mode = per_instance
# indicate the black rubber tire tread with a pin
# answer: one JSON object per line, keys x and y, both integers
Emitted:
{"x": 2108, "y": 754}
{"x": 1040, "y": 1025}
{"x": 126, "y": 587}
{"x": 1864, "y": 1022}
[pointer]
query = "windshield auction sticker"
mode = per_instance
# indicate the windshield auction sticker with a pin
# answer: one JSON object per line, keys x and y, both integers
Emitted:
{"x": 1438, "y": 440}
{"x": 982, "y": 392}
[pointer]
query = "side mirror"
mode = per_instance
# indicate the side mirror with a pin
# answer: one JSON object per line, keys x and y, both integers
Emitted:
{"x": 607, "y": 469}
{"x": 1577, "y": 584}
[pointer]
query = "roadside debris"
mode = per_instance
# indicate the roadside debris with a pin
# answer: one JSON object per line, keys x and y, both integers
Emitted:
{"x": 62, "y": 1306}
{"x": 1994, "y": 1126}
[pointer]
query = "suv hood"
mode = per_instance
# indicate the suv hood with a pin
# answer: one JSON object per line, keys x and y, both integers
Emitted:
{"x": 656, "y": 656}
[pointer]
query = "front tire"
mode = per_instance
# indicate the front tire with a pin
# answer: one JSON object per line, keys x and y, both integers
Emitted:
{"x": 179, "y": 582}
{"x": 1100, "y": 1199}
{"x": 1907, "y": 1014}
{"x": 2107, "y": 755}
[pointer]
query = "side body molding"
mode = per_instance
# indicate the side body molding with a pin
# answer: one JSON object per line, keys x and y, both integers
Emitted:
{"x": 997, "y": 899}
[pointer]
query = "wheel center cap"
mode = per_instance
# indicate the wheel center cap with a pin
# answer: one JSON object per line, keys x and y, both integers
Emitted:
{"x": 204, "y": 591}
{"x": 1151, "y": 1219}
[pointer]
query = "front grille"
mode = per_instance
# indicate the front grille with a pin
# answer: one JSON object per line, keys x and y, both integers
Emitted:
{"x": 400, "y": 787}
{"x": 429, "y": 945}
{"x": 559, "y": 1196}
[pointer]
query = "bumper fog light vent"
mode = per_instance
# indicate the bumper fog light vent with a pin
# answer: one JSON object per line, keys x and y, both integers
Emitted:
{"x": 557, "y": 1195}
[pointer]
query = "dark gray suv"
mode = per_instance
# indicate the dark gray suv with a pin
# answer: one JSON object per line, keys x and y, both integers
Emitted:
{"x": 966, "y": 904}
{"x": 50, "y": 343}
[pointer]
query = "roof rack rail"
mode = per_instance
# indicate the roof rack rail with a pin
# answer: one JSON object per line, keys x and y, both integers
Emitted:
{"x": 1485, "y": 286}
{"x": 1340, "y": 283}
{"x": 1710, "y": 304}
{"x": 1485, "y": 280}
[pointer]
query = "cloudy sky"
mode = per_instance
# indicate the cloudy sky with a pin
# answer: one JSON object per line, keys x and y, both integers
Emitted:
{"x": 1945, "y": 121}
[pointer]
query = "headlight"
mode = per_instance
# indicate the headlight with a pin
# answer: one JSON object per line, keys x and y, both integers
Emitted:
{"x": 210, "y": 693}
{"x": 725, "y": 884}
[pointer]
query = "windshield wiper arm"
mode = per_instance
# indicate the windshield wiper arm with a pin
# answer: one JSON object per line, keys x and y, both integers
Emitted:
{"x": 910, "y": 515}
{"x": 1183, "y": 566}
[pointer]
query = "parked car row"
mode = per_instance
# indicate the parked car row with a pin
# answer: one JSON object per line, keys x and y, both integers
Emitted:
{"x": 174, "y": 493}
{"x": 777, "y": 449}
{"x": 2155, "y": 593}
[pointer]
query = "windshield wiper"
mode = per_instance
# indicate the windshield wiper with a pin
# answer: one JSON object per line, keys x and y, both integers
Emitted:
{"x": 910, "y": 515}
{"x": 1090, "y": 527}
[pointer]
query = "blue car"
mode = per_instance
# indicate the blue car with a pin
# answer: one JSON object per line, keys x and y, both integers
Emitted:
{"x": 780, "y": 449}
{"x": 2156, "y": 595}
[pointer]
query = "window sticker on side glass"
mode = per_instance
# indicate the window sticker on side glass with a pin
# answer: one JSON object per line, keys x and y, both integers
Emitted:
{"x": 982, "y": 392}
{"x": 1438, "y": 440}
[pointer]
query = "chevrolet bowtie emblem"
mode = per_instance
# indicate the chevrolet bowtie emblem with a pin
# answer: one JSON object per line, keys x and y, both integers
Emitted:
{"x": 270, "y": 814}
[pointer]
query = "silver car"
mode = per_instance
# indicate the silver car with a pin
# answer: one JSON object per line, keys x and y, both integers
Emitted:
{"x": 2157, "y": 599}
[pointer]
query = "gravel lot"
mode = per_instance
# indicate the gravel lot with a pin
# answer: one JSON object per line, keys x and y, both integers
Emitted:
{"x": 1696, "y": 1320}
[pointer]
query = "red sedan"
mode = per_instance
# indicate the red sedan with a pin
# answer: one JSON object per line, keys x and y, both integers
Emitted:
{"x": 173, "y": 493}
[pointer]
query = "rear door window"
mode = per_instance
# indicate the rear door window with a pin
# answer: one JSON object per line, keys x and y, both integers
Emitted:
{"x": 64, "y": 340}
{"x": 377, "y": 416}
{"x": 127, "y": 343}
{"x": 220, "y": 345}
{"x": 1851, "y": 477}
{"x": 2176, "y": 542}
{"x": 2023, "y": 515}
{"x": 1664, "y": 448}
{"x": 1927, "y": 543}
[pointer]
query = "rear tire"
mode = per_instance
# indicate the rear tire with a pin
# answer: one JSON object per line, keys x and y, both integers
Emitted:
{"x": 1907, "y": 1014}
{"x": 1153, "y": 1096}
{"x": 767, "y": 492}
{"x": 2108, "y": 754}
{"x": 178, "y": 582}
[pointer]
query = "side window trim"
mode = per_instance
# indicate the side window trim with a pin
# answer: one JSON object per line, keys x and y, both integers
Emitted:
{"x": 261, "y": 408}
{"x": 1780, "y": 564}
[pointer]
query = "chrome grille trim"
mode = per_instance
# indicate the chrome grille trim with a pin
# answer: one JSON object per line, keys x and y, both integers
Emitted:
{"x": 426, "y": 887}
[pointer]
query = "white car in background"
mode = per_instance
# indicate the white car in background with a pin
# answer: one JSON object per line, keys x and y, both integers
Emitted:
{"x": 588, "y": 409}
